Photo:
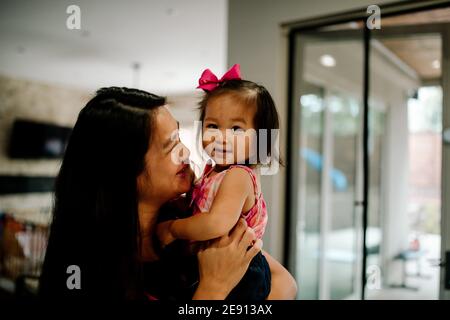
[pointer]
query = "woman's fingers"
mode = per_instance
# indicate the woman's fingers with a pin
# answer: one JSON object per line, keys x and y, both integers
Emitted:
{"x": 238, "y": 231}
{"x": 240, "y": 237}
{"x": 253, "y": 251}
{"x": 248, "y": 239}
{"x": 223, "y": 264}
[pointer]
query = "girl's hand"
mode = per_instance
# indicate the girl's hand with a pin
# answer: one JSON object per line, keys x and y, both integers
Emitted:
{"x": 224, "y": 262}
{"x": 164, "y": 233}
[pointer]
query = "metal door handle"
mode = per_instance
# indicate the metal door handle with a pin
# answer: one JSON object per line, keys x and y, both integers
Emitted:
{"x": 438, "y": 263}
{"x": 446, "y": 136}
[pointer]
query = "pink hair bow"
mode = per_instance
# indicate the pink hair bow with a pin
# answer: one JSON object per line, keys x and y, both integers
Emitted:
{"x": 208, "y": 80}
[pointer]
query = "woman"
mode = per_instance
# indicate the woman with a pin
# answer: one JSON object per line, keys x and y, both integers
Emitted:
{"x": 116, "y": 174}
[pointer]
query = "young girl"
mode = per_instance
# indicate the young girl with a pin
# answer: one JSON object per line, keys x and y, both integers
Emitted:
{"x": 232, "y": 111}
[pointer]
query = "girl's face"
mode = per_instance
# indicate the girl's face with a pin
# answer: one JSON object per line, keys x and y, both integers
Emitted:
{"x": 229, "y": 136}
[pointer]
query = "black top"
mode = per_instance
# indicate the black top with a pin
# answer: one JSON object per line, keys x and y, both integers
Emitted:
{"x": 174, "y": 276}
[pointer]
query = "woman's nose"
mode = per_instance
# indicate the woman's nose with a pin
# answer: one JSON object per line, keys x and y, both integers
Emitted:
{"x": 185, "y": 154}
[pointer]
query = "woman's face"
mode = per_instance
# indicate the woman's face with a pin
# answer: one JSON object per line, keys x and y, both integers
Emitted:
{"x": 167, "y": 174}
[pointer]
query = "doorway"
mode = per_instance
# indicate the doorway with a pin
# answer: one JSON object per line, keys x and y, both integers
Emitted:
{"x": 366, "y": 170}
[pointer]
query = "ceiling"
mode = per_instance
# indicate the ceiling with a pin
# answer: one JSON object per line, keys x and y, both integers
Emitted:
{"x": 422, "y": 53}
{"x": 172, "y": 40}
{"x": 424, "y": 17}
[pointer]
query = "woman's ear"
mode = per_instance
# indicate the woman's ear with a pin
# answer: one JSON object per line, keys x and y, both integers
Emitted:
{"x": 142, "y": 182}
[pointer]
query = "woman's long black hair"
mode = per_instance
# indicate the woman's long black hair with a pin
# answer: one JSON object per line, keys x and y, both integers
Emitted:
{"x": 95, "y": 219}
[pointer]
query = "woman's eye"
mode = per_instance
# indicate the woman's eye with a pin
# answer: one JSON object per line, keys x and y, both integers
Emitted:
{"x": 211, "y": 126}
{"x": 176, "y": 144}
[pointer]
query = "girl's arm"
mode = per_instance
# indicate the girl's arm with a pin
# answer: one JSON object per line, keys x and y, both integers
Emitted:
{"x": 283, "y": 285}
{"x": 227, "y": 206}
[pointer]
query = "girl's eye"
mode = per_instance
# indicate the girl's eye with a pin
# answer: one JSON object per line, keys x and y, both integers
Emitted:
{"x": 237, "y": 130}
{"x": 211, "y": 126}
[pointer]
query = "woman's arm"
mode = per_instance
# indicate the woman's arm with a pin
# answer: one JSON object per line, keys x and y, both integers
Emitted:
{"x": 223, "y": 263}
{"x": 227, "y": 206}
{"x": 283, "y": 286}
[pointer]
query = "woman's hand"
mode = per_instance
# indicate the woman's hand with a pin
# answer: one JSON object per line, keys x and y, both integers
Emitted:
{"x": 224, "y": 262}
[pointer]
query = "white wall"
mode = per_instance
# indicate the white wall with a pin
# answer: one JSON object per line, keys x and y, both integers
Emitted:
{"x": 257, "y": 42}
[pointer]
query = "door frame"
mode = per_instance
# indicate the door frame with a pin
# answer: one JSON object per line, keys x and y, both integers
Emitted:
{"x": 445, "y": 189}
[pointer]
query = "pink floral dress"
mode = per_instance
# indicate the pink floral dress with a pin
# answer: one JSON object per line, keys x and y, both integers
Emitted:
{"x": 205, "y": 191}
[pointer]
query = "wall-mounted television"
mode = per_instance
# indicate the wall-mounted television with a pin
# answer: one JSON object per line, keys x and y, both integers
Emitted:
{"x": 36, "y": 140}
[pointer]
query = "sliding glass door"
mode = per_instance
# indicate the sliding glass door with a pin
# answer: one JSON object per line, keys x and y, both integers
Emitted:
{"x": 368, "y": 173}
{"x": 327, "y": 152}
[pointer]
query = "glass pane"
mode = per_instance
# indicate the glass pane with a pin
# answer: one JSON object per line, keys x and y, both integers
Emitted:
{"x": 405, "y": 140}
{"x": 328, "y": 95}
{"x": 342, "y": 253}
{"x": 310, "y": 158}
